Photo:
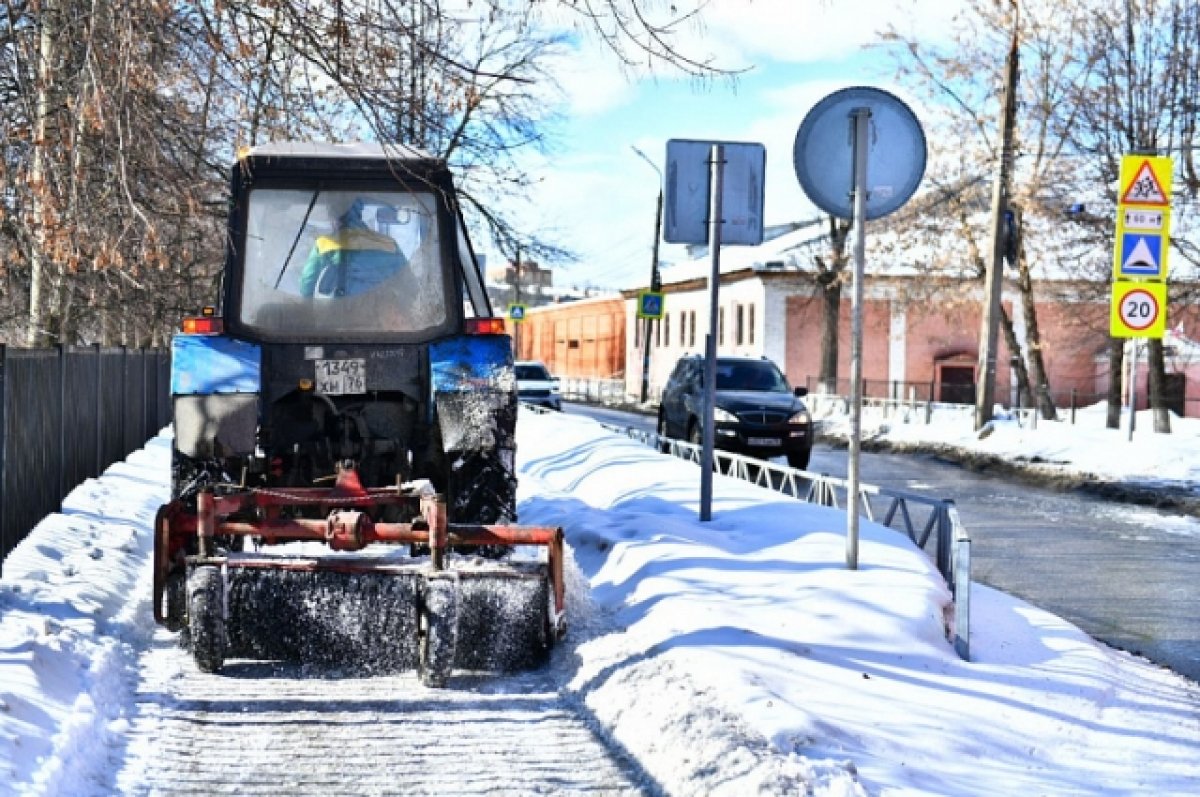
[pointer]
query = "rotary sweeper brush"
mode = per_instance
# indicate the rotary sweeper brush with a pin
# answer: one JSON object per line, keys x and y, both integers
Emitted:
{"x": 342, "y": 475}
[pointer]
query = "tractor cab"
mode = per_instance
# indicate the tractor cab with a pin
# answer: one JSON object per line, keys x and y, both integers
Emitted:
{"x": 356, "y": 391}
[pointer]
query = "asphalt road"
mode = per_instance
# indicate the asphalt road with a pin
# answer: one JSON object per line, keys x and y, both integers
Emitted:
{"x": 1125, "y": 574}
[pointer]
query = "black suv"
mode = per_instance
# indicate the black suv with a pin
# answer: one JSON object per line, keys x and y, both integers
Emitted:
{"x": 756, "y": 412}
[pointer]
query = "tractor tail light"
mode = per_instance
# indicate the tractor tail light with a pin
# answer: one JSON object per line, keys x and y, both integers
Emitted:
{"x": 485, "y": 326}
{"x": 204, "y": 325}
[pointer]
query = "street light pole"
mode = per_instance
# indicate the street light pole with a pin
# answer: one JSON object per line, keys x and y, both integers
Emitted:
{"x": 655, "y": 281}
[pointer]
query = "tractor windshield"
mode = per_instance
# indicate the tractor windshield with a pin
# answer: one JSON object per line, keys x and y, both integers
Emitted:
{"x": 322, "y": 263}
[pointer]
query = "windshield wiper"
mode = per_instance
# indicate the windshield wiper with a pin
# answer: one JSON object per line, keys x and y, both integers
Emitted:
{"x": 296, "y": 241}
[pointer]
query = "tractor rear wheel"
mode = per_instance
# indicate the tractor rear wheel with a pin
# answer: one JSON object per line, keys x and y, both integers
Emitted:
{"x": 206, "y": 617}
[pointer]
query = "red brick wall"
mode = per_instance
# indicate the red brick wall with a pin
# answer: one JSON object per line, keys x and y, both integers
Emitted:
{"x": 588, "y": 339}
{"x": 583, "y": 339}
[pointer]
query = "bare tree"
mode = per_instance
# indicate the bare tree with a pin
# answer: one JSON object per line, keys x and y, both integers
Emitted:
{"x": 962, "y": 84}
{"x": 1142, "y": 95}
{"x": 119, "y": 120}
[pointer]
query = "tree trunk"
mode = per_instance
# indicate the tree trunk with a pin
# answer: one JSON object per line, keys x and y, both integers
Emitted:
{"x": 829, "y": 282}
{"x": 1116, "y": 366}
{"x": 1033, "y": 336}
{"x": 1158, "y": 381}
{"x": 1018, "y": 362}
{"x": 35, "y": 335}
{"x": 831, "y": 307}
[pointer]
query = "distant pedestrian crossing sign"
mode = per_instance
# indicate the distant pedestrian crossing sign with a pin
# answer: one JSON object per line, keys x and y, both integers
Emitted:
{"x": 516, "y": 312}
{"x": 650, "y": 304}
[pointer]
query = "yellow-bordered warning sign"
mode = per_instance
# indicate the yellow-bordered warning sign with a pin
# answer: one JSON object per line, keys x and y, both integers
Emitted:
{"x": 650, "y": 304}
{"x": 516, "y": 313}
{"x": 1139, "y": 310}
{"x": 1145, "y": 181}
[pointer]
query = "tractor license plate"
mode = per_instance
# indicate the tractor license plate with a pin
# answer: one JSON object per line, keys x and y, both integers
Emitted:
{"x": 764, "y": 441}
{"x": 340, "y": 377}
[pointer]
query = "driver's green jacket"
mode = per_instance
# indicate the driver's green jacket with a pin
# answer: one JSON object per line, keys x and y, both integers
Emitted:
{"x": 351, "y": 261}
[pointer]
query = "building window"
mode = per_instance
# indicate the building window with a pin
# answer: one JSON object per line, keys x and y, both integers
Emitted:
{"x": 740, "y": 324}
{"x": 666, "y": 322}
{"x": 637, "y": 332}
{"x": 657, "y": 333}
{"x": 692, "y": 329}
{"x": 721, "y": 326}
{"x": 750, "y": 325}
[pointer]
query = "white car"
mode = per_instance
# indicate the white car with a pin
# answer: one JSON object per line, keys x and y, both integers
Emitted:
{"x": 535, "y": 385}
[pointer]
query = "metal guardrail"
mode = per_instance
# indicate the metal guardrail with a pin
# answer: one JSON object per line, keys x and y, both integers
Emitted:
{"x": 597, "y": 391}
{"x": 920, "y": 517}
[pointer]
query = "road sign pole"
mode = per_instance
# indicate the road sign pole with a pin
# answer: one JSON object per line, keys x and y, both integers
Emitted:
{"x": 717, "y": 165}
{"x": 861, "y": 117}
{"x": 1132, "y": 357}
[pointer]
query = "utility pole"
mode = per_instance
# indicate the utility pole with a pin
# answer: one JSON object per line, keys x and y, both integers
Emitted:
{"x": 517, "y": 300}
{"x": 655, "y": 280}
{"x": 985, "y": 373}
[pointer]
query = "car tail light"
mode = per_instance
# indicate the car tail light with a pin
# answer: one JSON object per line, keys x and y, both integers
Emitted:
{"x": 485, "y": 326}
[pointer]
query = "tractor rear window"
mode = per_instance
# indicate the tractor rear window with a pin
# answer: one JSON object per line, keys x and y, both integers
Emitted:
{"x": 322, "y": 263}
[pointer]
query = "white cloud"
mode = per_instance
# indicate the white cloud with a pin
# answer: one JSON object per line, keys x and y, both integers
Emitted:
{"x": 808, "y": 31}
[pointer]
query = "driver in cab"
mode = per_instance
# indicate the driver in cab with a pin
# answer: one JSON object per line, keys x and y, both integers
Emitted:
{"x": 353, "y": 259}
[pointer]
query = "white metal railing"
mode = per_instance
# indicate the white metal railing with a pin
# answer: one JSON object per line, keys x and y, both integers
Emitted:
{"x": 910, "y": 411}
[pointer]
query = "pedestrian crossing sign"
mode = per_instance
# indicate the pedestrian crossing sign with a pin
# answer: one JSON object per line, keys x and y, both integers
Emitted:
{"x": 650, "y": 304}
{"x": 516, "y": 312}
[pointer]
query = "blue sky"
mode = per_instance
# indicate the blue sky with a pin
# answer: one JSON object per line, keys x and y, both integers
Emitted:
{"x": 598, "y": 197}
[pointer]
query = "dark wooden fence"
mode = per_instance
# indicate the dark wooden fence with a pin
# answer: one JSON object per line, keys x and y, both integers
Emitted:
{"x": 66, "y": 414}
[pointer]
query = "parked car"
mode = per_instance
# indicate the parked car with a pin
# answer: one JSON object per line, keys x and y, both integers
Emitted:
{"x": 535, "y": 385}
{"x": 756, "y": 412}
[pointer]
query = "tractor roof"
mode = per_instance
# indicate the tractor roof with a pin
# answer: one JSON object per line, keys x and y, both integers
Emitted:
{"x": 357, "y": 150}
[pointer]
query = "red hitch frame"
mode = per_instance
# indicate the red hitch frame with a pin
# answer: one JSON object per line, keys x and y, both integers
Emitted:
{"x": 344, "y": 527}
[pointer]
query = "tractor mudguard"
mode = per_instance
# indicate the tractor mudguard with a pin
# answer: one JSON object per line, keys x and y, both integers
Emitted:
{"x": 215, "y": 382}
{"x": 475, "y": 392}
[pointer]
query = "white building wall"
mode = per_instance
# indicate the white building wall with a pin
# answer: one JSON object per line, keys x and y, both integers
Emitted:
{"x": 767, "y": 330}
{"x": 774, "y": 326}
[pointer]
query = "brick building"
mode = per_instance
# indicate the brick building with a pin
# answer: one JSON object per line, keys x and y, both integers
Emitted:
{"x": 584, "y": 338}
{"x": 919, "y": 339}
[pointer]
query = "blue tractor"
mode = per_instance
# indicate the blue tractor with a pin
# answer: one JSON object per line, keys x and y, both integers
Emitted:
{"x": 342, "y": 475}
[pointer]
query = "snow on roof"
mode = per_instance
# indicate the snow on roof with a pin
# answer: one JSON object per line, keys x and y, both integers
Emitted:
{"x": 1066, "y": 244}
{"x": 326, "y": 149}
{"x": 788, "y": 250}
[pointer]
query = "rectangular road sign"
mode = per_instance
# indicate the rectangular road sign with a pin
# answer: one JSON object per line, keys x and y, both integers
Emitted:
{"x": 1143, "y": 218}
{"x": 686, "y": 193}
{"x": 1139, "y": 310}
{"x": 1141, "y": 255}
{"x": 1151, "y": 219}
{"x": 650, "y": 304}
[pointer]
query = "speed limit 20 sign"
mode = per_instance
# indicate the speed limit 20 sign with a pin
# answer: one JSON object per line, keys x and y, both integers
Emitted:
{"x": 1139, "y": 310}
